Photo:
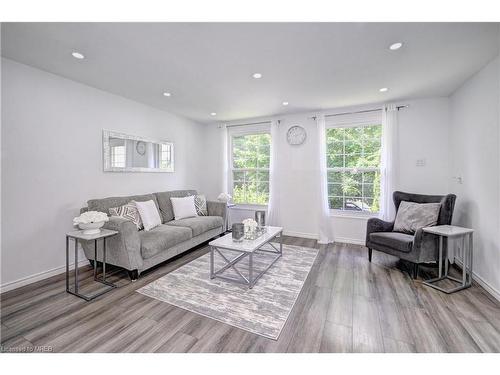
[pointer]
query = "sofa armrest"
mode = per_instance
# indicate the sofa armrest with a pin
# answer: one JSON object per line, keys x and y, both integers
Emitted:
{"x": 377, "y": 225}
{"x": 215, "y": 208}
{"x": 124, "y": 249}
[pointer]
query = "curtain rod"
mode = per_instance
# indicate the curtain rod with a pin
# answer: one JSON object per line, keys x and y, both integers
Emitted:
{"x": 250, "y": 123}
{"x": 364, "y": 111}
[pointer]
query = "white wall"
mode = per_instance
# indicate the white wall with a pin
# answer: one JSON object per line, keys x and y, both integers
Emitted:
{"x": 423, "y": 135}
{"x": 475, "y": 156}
{"x": 52, "y": 161}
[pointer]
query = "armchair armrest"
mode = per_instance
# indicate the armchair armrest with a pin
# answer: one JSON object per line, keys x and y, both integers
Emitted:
{"x": 377, "y": 225}
{"x": 125, "y": 247}
{"x": 426, "y": 245}
{"x": 215, "y": 208}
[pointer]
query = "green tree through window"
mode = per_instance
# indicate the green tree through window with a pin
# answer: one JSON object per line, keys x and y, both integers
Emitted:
{"x": 353, "y": 163}
{"x": 250, "y": 168}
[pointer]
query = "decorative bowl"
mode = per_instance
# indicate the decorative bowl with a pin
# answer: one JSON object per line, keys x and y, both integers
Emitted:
{"x": 91, "y": 228}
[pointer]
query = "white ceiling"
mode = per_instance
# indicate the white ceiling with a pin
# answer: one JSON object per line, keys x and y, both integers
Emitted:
{"x": 208, "y": 67}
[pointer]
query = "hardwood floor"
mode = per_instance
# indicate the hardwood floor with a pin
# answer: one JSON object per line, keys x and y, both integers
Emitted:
{"x": 346, "y": 305}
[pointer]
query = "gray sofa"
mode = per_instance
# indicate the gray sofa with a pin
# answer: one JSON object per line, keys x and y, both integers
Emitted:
{"x": 137, "y": 251}
{"x": 418, "y": 248}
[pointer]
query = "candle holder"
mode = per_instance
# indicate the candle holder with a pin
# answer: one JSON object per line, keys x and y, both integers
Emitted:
{"x": 238, "y": 232}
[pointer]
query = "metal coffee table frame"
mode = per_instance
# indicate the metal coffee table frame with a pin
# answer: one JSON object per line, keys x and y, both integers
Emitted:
{"x": 467, "y": 251}
{"x": 251, "y": 279}
{"x": 101, "y": 280}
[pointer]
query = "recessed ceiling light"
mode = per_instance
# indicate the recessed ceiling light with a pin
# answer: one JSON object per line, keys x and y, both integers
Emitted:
{"x": 77, "y": 55}
{"x": 213, "y": 114}
{"x": 167, "y": 94}
{"x": 383, "y": 89}
{"x": 257, "y": 75}
{"x": 285, "y": 103}
{"x": 395, "y": 46}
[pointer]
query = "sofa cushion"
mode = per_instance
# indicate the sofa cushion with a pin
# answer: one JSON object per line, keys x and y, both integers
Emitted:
{"x": 199, "y": 224}
{"x": 165, "y": 205}
{"x": 395, "y": 240}
{"x": 104, "y": 204}
{"x": 161, "y": 238}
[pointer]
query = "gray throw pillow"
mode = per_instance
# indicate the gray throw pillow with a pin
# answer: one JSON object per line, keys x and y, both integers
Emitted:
{"x": 200, "y": 203}
{"x": 128, "y": 211}
{"x": 412, "y": 216}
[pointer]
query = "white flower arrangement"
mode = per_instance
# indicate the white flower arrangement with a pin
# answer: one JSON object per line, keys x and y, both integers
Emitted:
{"x": 224, "y": 197}
{"x": 249, "y": 224}
{"x": 90, "y": 217}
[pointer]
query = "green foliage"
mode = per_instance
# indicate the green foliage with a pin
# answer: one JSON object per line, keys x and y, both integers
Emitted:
{"x": 353, "y": 156}
{"x": 251, "y": 158}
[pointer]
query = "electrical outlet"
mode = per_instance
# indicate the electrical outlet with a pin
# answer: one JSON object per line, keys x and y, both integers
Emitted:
{"x": 420, "y": 162}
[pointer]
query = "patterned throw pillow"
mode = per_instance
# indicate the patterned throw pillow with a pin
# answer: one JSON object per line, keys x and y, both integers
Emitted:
{"x": 412, "y": 216}
{"x": 128, "y": 211}
{"x": 200, "y": 203}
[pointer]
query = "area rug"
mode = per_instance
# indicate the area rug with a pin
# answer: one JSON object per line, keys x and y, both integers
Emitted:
{"x": 263, "y": 309}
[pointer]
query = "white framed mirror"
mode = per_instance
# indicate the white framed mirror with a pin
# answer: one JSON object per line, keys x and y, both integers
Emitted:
{"x": 130, "y": 153}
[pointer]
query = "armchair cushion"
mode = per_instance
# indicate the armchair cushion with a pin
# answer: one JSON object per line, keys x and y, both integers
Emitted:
{"x": 395, "y": 240}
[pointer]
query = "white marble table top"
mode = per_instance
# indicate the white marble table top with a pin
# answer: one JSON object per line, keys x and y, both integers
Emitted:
{"x": 78, "y": 234}
{"x": 247, "y": 246}
{"x": 448, "y": 230}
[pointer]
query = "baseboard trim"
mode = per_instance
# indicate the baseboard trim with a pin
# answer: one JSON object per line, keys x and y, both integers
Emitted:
{"x": 38, "y": 276}
{"x": 348, "y": 240}
{"x": 483, "y": 283}
{"x": 311, "y": 236}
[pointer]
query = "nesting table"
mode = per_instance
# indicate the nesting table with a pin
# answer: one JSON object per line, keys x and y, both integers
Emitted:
{"x": 246, "y": 248}
{"x": 460, "y": 233}
{"x": 77, "y": 235}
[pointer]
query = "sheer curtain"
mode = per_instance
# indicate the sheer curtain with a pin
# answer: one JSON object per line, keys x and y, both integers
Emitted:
{"x": 389, "y": 173}
{"x": 274, "y": 205}
{"x": 325, "y": 228}
{"x": 224, "y": 158}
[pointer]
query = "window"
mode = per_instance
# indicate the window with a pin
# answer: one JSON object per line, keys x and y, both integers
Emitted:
{"x": 118, "y": 156}
{"x": 165, "y": 156}
{"x": 353, "y": 163}
{"x": 249, "y": 164}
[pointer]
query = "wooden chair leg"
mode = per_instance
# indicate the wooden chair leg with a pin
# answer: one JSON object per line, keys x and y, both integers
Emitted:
{"x": 369, "y": 255}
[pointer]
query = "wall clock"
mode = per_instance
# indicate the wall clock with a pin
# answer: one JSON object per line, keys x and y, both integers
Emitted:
{"x": 141, "y": 148}
{"x": 296, "y": 135}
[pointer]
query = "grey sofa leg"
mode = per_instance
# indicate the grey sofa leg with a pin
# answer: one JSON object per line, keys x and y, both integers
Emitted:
{"x": 369, "y": 255}
{"x": 134, "y": 275}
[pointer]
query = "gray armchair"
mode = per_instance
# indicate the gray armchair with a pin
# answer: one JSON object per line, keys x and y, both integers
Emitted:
{"x": 418, "y": 248}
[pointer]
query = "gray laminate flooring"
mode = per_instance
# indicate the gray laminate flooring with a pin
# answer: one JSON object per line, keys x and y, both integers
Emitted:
{"x": 346, "y": 305}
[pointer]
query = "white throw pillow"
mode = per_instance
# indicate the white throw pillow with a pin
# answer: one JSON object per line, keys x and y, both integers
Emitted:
{"x": 149, "y": 214}
{"x": 183, "y": 207}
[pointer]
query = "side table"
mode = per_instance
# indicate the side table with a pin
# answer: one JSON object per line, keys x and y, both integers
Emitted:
{"x": 452, "y": 231}
{"x": 77, "y": 235}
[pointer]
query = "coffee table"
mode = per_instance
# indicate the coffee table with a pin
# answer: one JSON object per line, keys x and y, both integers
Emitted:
{"x": 247, "y": 248}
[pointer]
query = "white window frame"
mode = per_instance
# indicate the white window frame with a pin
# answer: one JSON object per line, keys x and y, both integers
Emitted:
{"x": 241, "y": 131}
{"x": 354, "y": 120}
{"x": 113, "y": 155}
